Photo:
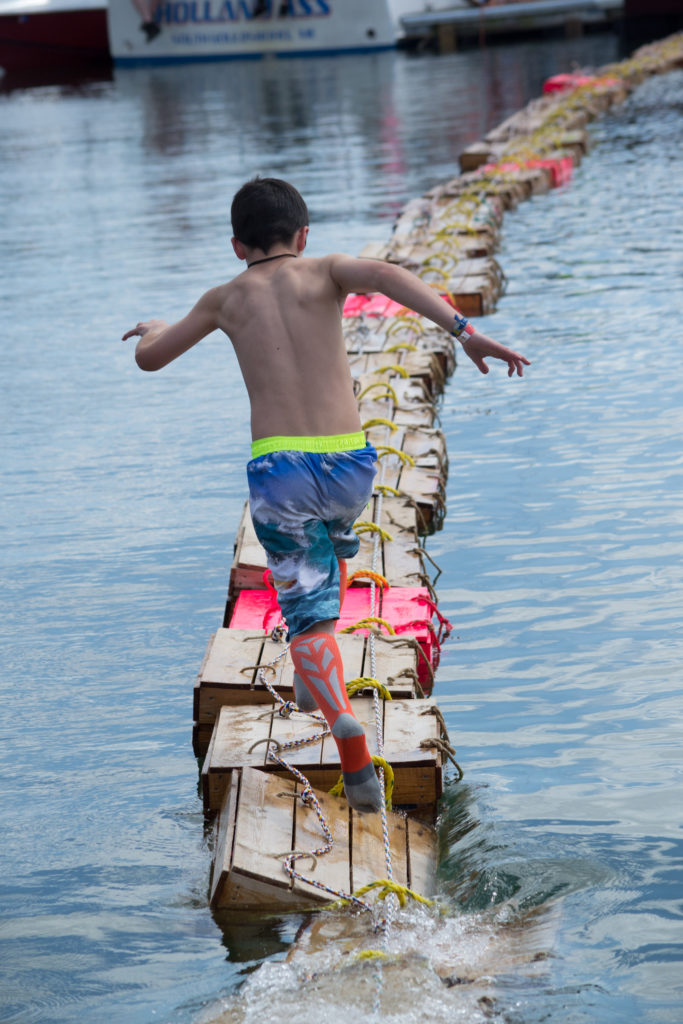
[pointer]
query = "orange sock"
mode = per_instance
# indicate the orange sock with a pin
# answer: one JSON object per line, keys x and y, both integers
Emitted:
{"x": 303, "y": 697}
{"x": 318, "y": 664}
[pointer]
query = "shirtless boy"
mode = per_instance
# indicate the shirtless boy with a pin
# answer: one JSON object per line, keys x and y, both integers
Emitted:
{"x": 311, "y": 472}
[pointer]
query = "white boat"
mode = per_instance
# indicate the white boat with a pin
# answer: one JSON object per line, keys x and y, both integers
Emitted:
{"x": 211, "y": 29}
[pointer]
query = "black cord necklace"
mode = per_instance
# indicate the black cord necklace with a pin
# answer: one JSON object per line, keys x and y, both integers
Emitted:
{"x": 267, "y": 259}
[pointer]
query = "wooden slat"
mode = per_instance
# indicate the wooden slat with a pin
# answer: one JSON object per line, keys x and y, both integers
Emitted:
{"x": 286, "y": 730}
{"x": 264, "y": 826}
{"x": 225, "y": 833}
{"x": 333, "y": 868}
{"x": 423, "y": 850}
{"x": 395, "y": 667}
{"x": 368, "y": 855}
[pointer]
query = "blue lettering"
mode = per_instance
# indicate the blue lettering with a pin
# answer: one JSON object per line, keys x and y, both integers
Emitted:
{"x": 180, "y": 12}
{"x": 227, "y": 13}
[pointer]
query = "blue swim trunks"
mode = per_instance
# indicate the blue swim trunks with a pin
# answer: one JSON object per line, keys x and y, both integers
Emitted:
{"x": 303, "y": 506}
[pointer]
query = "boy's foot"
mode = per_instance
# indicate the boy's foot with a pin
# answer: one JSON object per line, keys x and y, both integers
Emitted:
{"x": 361, "y": 784}
{"x": 303, "y": 698}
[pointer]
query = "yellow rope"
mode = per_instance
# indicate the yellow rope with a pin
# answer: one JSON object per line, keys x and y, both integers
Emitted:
{"x": 395, "y": 368}
{"x": 376, "y": 577}
{"x": 402, "y": 344}
{"x": 405, "y": 321}
{"x": 366, "y": 683}
{"x": 387, "y": 449}
{"x": 388, "y": 391}
{"x": 380, "y": 421}
{"x": 386, "y": 887}
{"x": 364, "y": 623}
{"x": 386, "y": 489}
{"x": 366, "y": 527}
{"x": 442, "y": 274}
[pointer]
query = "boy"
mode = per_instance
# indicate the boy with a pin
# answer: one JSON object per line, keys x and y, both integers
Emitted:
{"x": 311, "y": 470}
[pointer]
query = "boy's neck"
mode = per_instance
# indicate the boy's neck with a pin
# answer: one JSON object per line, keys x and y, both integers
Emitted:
{"x": 275, "y": 256}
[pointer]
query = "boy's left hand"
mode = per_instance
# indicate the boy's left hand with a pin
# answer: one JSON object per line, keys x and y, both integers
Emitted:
{"x": 479, "y": 346}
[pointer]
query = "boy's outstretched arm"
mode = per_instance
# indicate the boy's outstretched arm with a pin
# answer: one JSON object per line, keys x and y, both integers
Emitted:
{"x": 160, "y": 343}
{"x": 367, "y": 275}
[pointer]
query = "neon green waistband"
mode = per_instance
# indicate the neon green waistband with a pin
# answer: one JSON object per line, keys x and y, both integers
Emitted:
{"x": 326, "y": 443}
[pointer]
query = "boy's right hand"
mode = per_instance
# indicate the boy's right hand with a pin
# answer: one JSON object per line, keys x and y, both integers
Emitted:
{"x": 140, "y": 330}
{"x": 478, "y": 347}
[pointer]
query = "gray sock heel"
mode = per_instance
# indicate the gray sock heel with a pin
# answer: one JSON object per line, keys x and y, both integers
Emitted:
{"x": 362, "y": 788}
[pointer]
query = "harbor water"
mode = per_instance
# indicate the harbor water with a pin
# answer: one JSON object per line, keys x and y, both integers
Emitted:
{"x": 560, "y": 556}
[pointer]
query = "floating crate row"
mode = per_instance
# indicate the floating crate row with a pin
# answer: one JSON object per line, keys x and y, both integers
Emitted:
{"x": 448, "y": 235}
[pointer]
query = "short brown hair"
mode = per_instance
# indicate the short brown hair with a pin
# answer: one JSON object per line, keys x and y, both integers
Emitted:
{"x": 265, "y": 211}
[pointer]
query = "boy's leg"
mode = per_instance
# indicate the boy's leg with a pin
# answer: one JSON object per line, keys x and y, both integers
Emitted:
{"x": 302, "y": 695}
{"x": 317, "y": 660}
{"x": 295, "y": 519}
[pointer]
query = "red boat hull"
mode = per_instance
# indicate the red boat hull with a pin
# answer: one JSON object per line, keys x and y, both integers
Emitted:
{"x": 54, "y": 39}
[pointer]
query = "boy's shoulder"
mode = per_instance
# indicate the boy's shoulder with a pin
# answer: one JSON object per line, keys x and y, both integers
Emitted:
{"x": 317, "y": 271}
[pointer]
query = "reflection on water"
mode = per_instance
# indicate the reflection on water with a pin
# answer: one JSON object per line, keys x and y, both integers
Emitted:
{"x": 122, "y": 495}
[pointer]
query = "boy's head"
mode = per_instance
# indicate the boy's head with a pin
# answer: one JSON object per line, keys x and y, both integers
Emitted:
{"x": 266, "y": 211}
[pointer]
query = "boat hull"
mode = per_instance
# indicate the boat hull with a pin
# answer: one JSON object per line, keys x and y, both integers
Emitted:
{"x": 54, "y": 39}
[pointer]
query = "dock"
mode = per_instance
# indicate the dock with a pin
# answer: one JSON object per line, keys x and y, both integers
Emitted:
{"x": 447, "y": 27}
{"x": 284, "y": 836}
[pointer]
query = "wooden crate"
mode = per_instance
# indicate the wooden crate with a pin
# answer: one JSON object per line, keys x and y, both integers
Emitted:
{"x": 223, "y": 680}
{"x": 388, "y": 333}
{"x": 241, "y": 734}
{"x": 424, "y": 366}
{"x": 261, "y": 818}
{"x": 399, "y": 518}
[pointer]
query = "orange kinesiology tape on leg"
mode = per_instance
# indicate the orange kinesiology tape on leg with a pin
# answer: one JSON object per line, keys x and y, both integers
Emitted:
{"x": 304, "y": 699}
{"x": 319, "y": 665}
{"x": 318, "y": 661}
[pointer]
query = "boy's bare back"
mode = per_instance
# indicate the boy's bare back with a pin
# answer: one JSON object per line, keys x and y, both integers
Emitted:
{"x": 283, "y": 318}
